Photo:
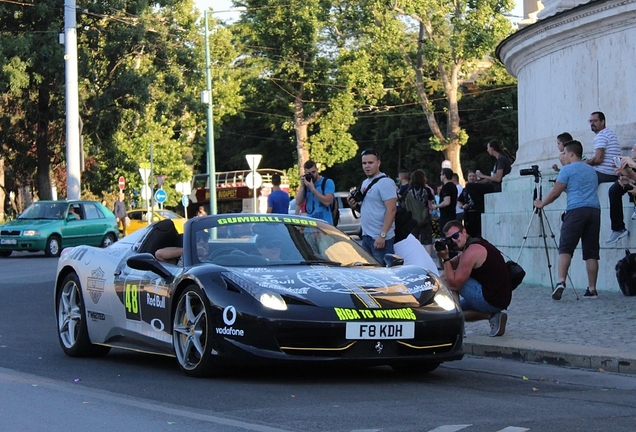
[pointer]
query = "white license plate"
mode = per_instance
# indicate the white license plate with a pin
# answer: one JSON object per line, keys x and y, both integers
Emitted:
{"x": 380, "y": 330}
{"x": 8, "y": 241}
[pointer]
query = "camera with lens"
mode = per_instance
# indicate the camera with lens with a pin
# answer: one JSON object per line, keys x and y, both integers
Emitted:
{"x": 309, "y": 177}
{"x": 356, "y": 195}
{"x": 443, "y": 243}
{"x": 533, "y": 171}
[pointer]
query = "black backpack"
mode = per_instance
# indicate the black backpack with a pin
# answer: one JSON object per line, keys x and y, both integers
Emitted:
{"x": 626, "y": 273}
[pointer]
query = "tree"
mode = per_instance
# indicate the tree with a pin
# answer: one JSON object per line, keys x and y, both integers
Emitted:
{"x": 448, "y": 37}
{"x": 306, "y": 69}
{"x": 31, "y": 84}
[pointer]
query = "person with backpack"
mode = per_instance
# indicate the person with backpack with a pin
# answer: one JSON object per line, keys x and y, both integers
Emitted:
{"x": 417, "y": 199}
{"x": 317, "y": 192}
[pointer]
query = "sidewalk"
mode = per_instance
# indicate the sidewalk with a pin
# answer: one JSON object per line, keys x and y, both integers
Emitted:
{"x": 595, "y": 334}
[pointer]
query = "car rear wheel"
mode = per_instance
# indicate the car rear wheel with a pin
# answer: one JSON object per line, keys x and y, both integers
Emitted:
{"x": 415, "y": 368}
{"x": 71, "y": 321}
{"x": 108, "y": 240}
{"x": 192, "y": 333}
{"x": 5, "y": 253}
{"x": 53, "y": 246}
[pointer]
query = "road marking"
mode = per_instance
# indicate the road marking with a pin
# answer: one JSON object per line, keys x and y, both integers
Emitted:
{"x": 514, "y": 429}
{"x": 449, "y": 428}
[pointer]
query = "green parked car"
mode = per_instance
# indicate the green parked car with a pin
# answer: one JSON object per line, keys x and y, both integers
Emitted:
{"x": 50, "y": 226}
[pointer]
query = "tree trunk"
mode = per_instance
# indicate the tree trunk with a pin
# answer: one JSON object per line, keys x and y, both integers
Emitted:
{"x": 44, "y": 167}
{"x": 301, "y": 129}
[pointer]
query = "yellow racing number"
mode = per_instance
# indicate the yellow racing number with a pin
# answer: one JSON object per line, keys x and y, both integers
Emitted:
{"x": 132, "y": 296}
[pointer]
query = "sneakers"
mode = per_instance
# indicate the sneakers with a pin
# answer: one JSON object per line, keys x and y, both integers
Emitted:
{"x": 589, "y": 294}
{"x": 498, "y": 323}
{"x": 634, "y": 214}
{"x": 616, "y": 236}
{"x": 558, "y": 291}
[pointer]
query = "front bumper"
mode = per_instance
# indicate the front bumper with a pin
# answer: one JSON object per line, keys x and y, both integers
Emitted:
{"x": 22, "y": 243}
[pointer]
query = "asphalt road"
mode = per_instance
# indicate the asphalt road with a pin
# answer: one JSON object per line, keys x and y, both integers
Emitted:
{"x": 127, "y": 391}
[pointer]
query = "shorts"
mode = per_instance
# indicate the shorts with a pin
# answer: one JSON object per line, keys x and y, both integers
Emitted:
{"x": 472, "y": 298}
{"x": 424, "y": 233}
{"x": 583, "y": 224}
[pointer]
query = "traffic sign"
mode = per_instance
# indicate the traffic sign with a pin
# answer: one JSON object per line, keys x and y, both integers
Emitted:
{"x": 122, "y": 183}
{"x": 185, "y": 201}
{"x": 161, "y": 196}
{"x": 253, "y": 181}
{"x": 146, "y": 192}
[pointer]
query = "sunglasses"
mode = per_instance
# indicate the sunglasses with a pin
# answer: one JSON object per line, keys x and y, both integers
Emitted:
{"x": 371, "y": 152}
{"x": 454, "y": 236}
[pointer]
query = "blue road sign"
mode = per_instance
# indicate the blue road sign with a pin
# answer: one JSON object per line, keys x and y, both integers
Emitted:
{"x": 161, "y": 196}
{"x": 185, "y": 201}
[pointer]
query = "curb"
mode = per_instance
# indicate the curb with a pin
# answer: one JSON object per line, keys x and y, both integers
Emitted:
{"x": 567, "y": 355}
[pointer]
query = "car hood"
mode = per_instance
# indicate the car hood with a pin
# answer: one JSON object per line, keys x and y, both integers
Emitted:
{"x": 22, "y": 224}
{"x": 344, "y": 286}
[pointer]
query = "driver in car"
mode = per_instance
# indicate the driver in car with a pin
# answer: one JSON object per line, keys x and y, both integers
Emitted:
{"x": 269, "y": 247}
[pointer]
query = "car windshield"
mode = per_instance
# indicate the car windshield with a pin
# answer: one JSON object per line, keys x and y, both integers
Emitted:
{"x": 238, "y": 240}
{"x": 45, "y": 210}
{"x": 168, "y": 214}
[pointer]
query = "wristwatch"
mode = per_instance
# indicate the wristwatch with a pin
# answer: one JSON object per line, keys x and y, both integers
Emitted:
{"x": 445, "y": 260}
{"x": 383, "y": 234}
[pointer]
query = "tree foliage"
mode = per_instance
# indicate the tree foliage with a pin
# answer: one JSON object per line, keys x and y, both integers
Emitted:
{"x": 291, "y": 80}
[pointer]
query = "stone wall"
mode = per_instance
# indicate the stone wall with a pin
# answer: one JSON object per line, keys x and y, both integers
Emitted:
{"x": 568, "y": 65}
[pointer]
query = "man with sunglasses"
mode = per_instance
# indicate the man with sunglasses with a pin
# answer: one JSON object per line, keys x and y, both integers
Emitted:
{"x": 377, "y": 208}
{"x": 475, "y": 277}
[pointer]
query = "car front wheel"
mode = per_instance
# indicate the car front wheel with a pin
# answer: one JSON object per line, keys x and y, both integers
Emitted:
{"x": 53, "y": 246}
{"x": 192, "y": 333}
{"x": 71, "y": 321}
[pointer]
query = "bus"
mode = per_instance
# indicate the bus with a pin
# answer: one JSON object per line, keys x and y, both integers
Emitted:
{"x": 232, "y": 193}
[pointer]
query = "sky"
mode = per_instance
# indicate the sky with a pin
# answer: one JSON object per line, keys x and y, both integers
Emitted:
{"x": 219, "y": 5}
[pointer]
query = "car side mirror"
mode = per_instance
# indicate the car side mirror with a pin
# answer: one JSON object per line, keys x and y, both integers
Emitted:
{"x": 147, "y": 262}
{"x": 393, "y": 260}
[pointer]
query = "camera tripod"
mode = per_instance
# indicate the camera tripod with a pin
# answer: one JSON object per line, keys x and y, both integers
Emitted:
{"x": 543, "y": 221}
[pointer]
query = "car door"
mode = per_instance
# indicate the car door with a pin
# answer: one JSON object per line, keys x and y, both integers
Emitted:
{"x": 96, "y": 225}
{"x": 136, "y": 220}
{"x": 144, "y": 308}
{"x": 73, "y": 230}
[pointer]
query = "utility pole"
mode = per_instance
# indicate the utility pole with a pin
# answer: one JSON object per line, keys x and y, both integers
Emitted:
{"x": 73, "y": 187}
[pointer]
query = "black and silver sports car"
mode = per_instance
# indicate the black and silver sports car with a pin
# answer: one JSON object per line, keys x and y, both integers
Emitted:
{"x": 253, "y": 288}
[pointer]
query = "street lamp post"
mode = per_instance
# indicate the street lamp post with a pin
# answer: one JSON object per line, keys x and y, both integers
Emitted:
{"x": 210, "y": 122}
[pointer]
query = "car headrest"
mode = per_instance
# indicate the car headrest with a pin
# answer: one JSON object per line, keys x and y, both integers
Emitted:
{"x": 163, "y": 234}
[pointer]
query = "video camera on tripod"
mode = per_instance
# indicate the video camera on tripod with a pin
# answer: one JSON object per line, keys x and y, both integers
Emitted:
{"x": 533, "y": 171}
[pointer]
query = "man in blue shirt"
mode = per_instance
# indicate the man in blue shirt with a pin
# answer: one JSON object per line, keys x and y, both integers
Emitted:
{"x": 278, "y": 200}
{"x": 582, "y": 219}
{"x": 318, "y": 196}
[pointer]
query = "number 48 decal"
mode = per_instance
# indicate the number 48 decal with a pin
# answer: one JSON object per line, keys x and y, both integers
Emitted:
{"x": 131, "y": 301}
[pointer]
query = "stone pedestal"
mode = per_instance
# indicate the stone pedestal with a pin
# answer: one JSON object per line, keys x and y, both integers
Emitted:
{"x": 568, "y": 64}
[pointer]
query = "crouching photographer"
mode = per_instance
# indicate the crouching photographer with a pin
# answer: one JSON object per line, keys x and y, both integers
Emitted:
{"x": 474, "y": 275}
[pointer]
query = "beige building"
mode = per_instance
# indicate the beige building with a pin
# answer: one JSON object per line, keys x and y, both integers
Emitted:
{"x": 570, "y": 58}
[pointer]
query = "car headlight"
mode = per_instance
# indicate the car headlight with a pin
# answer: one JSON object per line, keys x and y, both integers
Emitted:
{"x": 30, "y": 233}
{"x": 273, "y": 301}
{"x": 267, "y": 298}
{"x": 445, "y": 301}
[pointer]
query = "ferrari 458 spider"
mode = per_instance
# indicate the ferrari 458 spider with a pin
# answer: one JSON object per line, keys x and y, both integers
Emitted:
{"x": 253, "y": 289}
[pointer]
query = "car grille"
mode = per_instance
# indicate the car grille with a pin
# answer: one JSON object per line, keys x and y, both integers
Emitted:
{"x": 331, "y": 343}
{"x": 10, "y": 232}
